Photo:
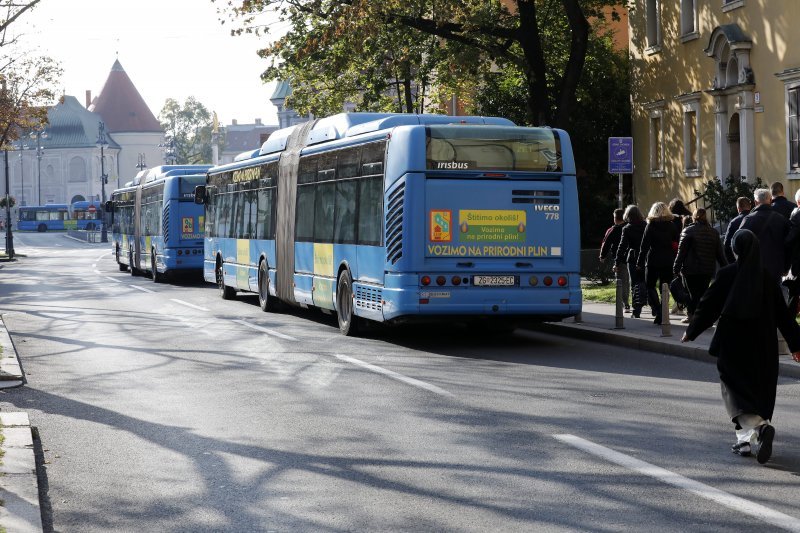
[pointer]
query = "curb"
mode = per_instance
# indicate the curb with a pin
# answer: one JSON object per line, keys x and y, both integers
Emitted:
{"x": 11, "y": 374}
{"x": 637, "y": 342}
{"x": 19, "y": 486}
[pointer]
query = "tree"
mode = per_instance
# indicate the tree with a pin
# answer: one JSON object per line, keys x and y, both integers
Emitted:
{"x": 488, "y": 31}
{"x": 11, "y": 11}
{"x": 26, "y": 89}
{"x": 189, "y": 129}
{"x": 11, "y": 201}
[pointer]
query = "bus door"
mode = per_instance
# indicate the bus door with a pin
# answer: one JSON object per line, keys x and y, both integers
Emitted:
{"x": 136, "y": 246}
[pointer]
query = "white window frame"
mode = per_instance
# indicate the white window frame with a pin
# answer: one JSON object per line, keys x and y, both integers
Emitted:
{"x": 791, "y": 80}
{"x": 653, "y": 26}
{"x": 691, "y": 105}
{"x": 689, "y": 13}
{"x": 730, "y": 5}
{"x": 655, "y": 110}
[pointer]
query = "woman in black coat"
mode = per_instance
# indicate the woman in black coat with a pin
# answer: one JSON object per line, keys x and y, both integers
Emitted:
{"x": 657, "y": 253}
{"x": 628, "y": 253}
{"x": 749, "y": 306}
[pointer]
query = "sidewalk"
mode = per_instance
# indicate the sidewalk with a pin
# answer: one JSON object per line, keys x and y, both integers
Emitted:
{"x": 598, "y": 324}
{"x": 19, "y": 486}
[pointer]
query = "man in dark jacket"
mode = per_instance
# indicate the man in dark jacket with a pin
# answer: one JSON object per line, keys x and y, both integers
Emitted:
{"x": 609, "y": 249}
{"x": 771, "y": 229}
{"x": 779, "y": 202}
{"x": 743, "y": 206}
{"x": 793, "y": 249}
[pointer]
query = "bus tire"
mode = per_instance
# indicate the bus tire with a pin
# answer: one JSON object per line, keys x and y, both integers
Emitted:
{"x": 157, "y": 277}
{"x": 227, "y": 293}
{"x": 122, "y": 267}
{"x": 265, "y": 301}
{"x": 348, "y": 321}
{"x": 41, "y": 228}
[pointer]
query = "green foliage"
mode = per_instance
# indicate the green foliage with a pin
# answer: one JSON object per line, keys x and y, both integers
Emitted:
{"x": 190, "y": 127}
{"x": 11, "y": 201}
{"x": 721, "y": 197}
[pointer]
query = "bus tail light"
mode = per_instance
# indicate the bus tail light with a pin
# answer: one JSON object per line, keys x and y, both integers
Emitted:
{"x": 426, "y": 280}
{"x": 180, "y": 252}
{"x": 423, "y": 301}
{"x": 562, "y": 281}
{"x": 441, "y": 280}
{"x": 548, "y": 281}
{"x": 534, "y": 281}
{"x": 456, "y": 280}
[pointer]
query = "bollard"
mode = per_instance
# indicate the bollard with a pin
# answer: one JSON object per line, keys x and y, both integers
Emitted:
{"x": 618, "y": 320}
{"x": 666, "y": 328}
{"x": 579, "y": 318}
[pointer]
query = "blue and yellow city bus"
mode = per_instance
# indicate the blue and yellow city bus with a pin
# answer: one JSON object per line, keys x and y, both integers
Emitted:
{"x": 50, "y": 217}
{"x": 390, "y": 218}
{"x": 156, "y": 226}
{"x": 87, "y": 215}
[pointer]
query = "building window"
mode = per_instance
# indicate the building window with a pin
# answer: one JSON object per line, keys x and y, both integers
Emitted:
{"x": 689, "y": 20}
{"x": 653, "y": 26}
{"x": 728, "y": 5}
{"x": 791, "y": 82}
{"x": 692, "y": 155}
{"x": 655, "y": 112}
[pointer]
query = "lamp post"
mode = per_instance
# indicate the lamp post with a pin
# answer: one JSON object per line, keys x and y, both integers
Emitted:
{"x": 21, "y": 176}
{"x": 102, "y": 143}
{"x": 39, "y": 135}
{"x": 9, "y": 234}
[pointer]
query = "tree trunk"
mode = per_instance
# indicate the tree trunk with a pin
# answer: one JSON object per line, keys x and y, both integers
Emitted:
{"x": 579, "y": 44}
{"x": 538, "y": 104}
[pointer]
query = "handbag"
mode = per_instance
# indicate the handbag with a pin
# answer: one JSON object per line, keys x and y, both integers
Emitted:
{"x": 678, "y": 290}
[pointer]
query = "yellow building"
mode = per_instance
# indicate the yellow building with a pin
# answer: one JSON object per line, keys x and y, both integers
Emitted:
{"x": 715, "y": 89}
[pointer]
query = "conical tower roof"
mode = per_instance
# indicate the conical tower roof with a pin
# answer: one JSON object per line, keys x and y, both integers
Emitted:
{"x": 122, "y": 107}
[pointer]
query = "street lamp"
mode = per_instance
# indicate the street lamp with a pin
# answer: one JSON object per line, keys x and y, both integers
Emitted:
{"x": 9, "y": 234}
{"x": 21, "y": 175}
{"x": 39, "y": 135}
{"x": 102, "y": 143}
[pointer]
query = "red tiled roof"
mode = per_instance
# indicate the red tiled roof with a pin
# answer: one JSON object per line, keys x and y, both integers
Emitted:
{"x": 122, "y": 107}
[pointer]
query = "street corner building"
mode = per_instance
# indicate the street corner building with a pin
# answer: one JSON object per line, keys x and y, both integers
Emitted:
{"x": 715, "y": 92}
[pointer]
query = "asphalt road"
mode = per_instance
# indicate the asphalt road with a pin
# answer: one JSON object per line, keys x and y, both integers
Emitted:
{"x": 161, "y": 407}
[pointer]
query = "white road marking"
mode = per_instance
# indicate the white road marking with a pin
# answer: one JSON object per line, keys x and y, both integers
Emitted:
{"x": 187, "y": 304}
{"x": 140, "y": 288}
{"x": 736, "y": 503}
{"x": 265, "y": 330}
{"x": 113, "y": 279}
{"x": 394, "y": 375}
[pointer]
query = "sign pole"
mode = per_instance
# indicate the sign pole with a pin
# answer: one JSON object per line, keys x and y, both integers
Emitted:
{"x": 620, "y": 192}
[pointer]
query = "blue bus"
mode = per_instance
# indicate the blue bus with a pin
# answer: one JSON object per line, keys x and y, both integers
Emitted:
{"x": 391, "y": 218}
{"x": 41, "y": 218}
{"x": 87, "y": 215}
{"x": 156, "y": 227}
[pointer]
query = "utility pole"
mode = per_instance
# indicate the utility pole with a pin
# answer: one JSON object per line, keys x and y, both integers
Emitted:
{"x": 9, "y": 233}
{"x": 102, "y": 143}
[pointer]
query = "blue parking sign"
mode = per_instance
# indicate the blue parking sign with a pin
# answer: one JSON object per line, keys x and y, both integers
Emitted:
{"x": 620, "y": 155}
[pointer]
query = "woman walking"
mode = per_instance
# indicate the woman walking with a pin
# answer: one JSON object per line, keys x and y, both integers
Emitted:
{"x": 628, "y": 253}
{"x": 657, "y": 253}
{"x": 749, "y": 306}
{"x": 699, "y": 251}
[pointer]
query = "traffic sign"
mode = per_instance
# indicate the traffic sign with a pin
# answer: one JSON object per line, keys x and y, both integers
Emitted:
{"x": 91, "y": 208}
{"x": 620, "y": 155}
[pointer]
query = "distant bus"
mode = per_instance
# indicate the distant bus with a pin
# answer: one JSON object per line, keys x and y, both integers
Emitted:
{"x": 41, "y": 218}
{"x": 87, "y": 215}
{"x": 156, "y": 227}
{"x": 391, "y": 218}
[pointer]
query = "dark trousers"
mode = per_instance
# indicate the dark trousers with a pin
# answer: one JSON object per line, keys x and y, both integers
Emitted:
{"x": 696, "y": 284}
{"x": 636, "y": 281}
{"x": 655, "y": 278}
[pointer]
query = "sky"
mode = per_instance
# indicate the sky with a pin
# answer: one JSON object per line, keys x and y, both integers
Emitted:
{"x": 169, "y": 49}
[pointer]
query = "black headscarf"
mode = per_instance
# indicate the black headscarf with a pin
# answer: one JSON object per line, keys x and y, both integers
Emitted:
{"x": 745, "y": 301}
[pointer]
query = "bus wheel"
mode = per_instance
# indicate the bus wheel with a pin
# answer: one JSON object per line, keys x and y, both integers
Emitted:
{"x": 122, "y": 267}
{"x": 41, "y": 228}
{"x": 227, "y": 293}
{"x": 157, "y": 278}
{"x": 348, "y": 322}
{"x": 266, "y": 301}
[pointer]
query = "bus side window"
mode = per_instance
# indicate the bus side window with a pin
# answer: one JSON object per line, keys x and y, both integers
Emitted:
{"x": 323, "y": 212}
{"x": 370, "y": 210}
{"x": 345, "y": 223}
{"x": 304, "y": 218}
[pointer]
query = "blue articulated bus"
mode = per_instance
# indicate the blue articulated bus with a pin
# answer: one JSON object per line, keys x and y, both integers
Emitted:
{"x": 156, "y": 227}
{"x": 391, "y": 218}
{"x": 41, "y": 218}
{"x": 87, "y": 215}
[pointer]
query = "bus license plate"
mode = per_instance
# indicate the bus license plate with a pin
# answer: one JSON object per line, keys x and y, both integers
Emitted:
{"x": 494, "y": 281}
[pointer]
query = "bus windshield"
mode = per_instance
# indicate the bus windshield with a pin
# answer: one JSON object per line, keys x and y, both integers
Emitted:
{"x": 454, "y": 147}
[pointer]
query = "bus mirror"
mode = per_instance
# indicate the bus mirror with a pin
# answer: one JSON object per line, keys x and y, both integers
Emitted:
{"x": 200, "y": 194}
{"x": 109, "y": 207}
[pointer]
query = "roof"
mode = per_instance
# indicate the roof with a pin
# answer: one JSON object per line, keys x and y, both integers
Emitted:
{"x": 70, "y": 125}
{"x": 282, "y": 90}
{"x": 121, "y": 105}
